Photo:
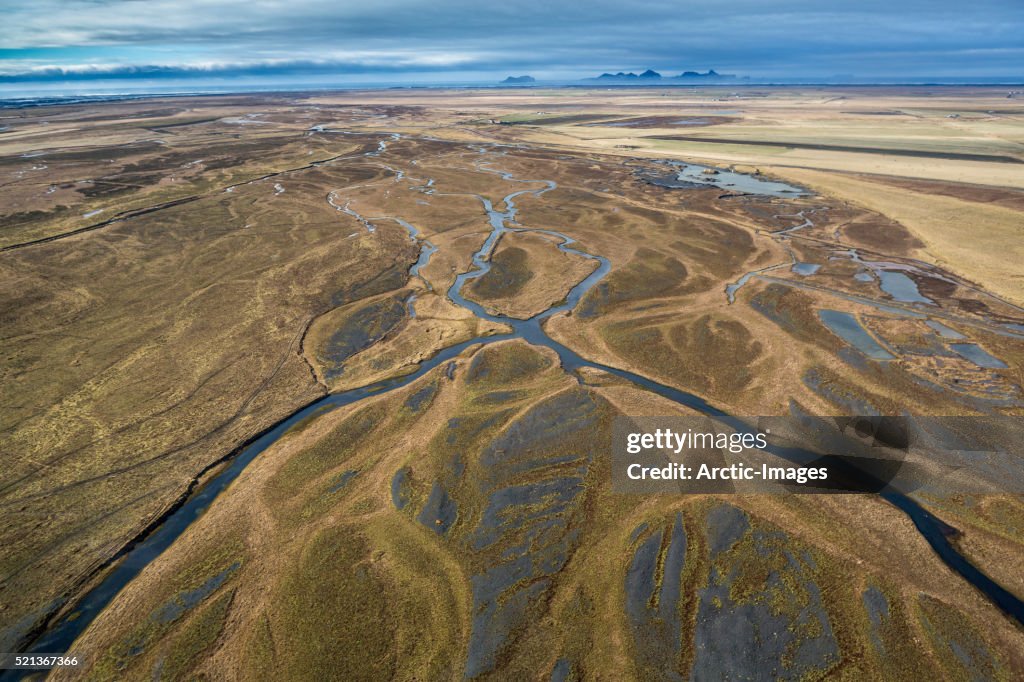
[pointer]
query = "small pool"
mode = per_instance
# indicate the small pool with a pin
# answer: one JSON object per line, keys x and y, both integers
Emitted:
{"x": 846, "y": 327}
{"x": 977, "y": 355}
{"x": 901, "y": 287}
{"x": 944, "y": 331}
{"x": 805, "y": 269}
{"x": 740, "y": 182}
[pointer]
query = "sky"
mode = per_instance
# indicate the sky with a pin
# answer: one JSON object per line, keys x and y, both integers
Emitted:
{"x": 53, "y": 41}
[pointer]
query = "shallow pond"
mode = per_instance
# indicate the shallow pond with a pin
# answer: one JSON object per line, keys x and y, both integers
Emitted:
{"x": 901, "y": 287}
{"x": 805, "y": 269}
{"x": 731, "y": 180}
{"x": 977, "y": 355}
{"x": 944, "y": 331}
{"x": 846, "y": 327}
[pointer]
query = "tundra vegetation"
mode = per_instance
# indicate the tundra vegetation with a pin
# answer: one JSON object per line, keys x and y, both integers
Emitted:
{"x": 178, "y": 275}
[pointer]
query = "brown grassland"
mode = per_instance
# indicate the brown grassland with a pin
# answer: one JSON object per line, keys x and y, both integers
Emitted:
{"x": 178, "y": 275}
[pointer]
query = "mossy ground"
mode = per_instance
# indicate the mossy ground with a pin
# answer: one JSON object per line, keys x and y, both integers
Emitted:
{"x": 144, "y": 350}
{"x": 342, "y": 583}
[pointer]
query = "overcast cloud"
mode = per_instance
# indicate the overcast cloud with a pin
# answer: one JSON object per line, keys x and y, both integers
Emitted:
{"x": 403, "y": 39}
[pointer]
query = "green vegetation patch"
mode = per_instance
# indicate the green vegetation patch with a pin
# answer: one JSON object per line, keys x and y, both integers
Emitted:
{"x": 331, "y": 619}
{"x": 793, "y": 311}
{"x": 957, "y": 642}
{"x": 766, "y": 590}
{"x": 508, "y": 275}
{"x": 532, "y": 477}
{"x": 715, "y": 356}
{"x": 195, "y": 639}
{"x": 420, "y": 399}
{"x": 550, "y": 119}
{"x": 195, "y": 586}
{"x": 360, "y": 329}
{"x": 505, "y": 364}
{"x": 327, "y": 453}
{"x": 648, "y": 274}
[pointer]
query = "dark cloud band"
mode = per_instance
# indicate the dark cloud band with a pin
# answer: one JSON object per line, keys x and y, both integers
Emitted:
{"x": 46, "y": 40}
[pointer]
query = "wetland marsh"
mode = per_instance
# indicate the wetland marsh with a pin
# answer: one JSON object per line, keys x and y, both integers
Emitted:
{"x": 432, "y": 323}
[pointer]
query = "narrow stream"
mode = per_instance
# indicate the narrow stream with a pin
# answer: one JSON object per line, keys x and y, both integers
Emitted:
{"x": 59, "y": 636}
{"x": 732, "y": 288}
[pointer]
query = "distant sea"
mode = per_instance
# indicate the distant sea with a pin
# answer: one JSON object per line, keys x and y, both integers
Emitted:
{"x": 29, "y": 94}
{"x": 17, "y": 95}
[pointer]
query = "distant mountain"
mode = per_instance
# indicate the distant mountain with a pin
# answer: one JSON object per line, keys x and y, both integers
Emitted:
{"x": 623, "y": 76}
{"x": 612, "y": 76}
{"x": 710, "y": 75}
{"x": 520, "y": 79}
{"x": 650, "y": 75}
